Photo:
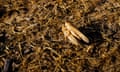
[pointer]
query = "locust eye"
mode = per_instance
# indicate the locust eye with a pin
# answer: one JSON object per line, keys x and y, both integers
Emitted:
{"x": 67, "y": 24}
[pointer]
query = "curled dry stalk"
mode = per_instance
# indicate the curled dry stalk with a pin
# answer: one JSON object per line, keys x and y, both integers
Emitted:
{"x": 57, "y": 59}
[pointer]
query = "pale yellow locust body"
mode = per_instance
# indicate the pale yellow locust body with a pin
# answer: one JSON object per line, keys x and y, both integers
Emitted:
{"x": 73, "y": 34}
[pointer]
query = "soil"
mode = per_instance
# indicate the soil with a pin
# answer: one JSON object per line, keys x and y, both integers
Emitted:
{"x": 31, "y": 39}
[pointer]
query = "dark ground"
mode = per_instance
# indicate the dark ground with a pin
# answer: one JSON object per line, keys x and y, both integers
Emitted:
{"x": 31, "y": 39}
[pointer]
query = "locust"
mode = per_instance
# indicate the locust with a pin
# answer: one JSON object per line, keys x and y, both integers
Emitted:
{"x": 73, "y": 34}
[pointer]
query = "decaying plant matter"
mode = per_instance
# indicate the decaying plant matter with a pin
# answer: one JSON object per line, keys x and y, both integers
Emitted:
{"x": 73, "y": 34}
{"x": 32, "y": 36}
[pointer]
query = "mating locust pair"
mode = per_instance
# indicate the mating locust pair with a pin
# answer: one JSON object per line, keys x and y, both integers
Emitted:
{"x": 73, "y": 34}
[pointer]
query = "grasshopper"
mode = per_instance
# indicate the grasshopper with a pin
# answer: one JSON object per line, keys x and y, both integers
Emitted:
{"x": 73, "y": 34}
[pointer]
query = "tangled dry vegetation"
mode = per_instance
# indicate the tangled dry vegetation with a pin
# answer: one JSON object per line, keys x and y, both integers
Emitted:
{"x": 31, "y": 39}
